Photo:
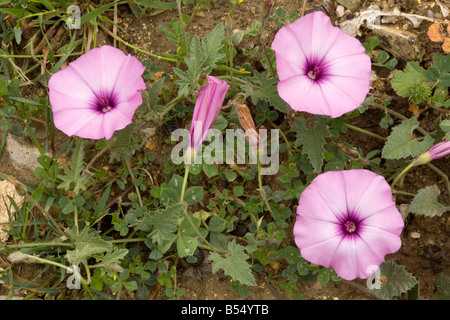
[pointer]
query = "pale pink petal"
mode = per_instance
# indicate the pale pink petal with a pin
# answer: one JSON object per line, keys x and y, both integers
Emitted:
{"x": 355, "y": 259}
{"x": 287, "y": 46}
{"x": 335, "y": 198}
{"x": 129, "y": 79}
{"x": 312, "y": 51}
{"x": 128, "y": 108}
{"x": 303, "y": 94}
{"x": 114, "y": 120}
{"x": 315, "y": 33}
{"x": 100, "y": 67}
{"x": 331, "y": 188}
{"x": 68, "y": 90}
{"x": 84, "y": 123}
{"x": 207, "y": 107}
{"x": 286, "y": 69}
{"x": 316, "y": 239}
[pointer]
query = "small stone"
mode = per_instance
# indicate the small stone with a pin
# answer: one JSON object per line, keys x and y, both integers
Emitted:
{"x": 352, "y": 5}
{"x": 415, "y": 235}
{"x": 400, "y": 43}
{"x": 340, "y": 11}
{"x": 200, "y": 14}
{"x": 7, "y": 190}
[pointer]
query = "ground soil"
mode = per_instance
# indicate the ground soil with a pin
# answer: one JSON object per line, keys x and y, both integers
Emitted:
{"x": 425, "y": 254}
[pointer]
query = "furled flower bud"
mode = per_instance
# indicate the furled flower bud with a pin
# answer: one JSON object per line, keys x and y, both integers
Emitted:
{"x": 437, "y": 151}
{"x": 266, "y": 8}
{"x": 247, "y": 123}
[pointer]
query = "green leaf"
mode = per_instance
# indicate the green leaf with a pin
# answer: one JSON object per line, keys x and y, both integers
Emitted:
{"x": 95, "y": 13}
{"x": 111, "y": 260}
{"x": 210, "y": 170}
{"x": 262, "y": 87}
{"x": 186, "y": 246}
{"x": 157, "y": 4}
{"x": 402, "y": 143}
{"x": 87, "y": 244}
{"x": 217, "y": 224}
{"x": 443, "y": 287}
{"x": 410, "y": 76}
{"x": 234, "y": 264}
{"x": 211, "y": 47}
{"x": 160, "y": 223}
{"x": 193, "y": 195}
{"x": 312, "y": 139}
{"x": 395, "y": 281}
{"x": 203, "y": 58}
{"x": 426, "y": 202}
{"x": 74, "y": 178}
{"x": 3, "y": 86}
{"x": 323, "y": 276}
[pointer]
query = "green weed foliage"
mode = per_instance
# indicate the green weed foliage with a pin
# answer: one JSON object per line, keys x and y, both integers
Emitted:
{"x": 123, "y": 224}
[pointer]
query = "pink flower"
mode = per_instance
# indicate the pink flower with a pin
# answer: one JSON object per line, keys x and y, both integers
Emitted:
{"x": 321, "y": 69}
{"x": 439, "y": 150}
{"x": 97, "y": 93}
{"x": 207, "y": 108}
{"x": 348, "y": 220}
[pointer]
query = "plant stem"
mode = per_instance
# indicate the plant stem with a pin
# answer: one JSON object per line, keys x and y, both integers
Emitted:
{"x": 183, "y": 188}
{"x": 45, "y": 261}
{"x": 97, "y": 155}
{"x": 127, "y": 161}
{"x": 183, "y": 31}
{"x": 442, "y": 174}
{"x": 261, "y": 190}
{"x": 263, "y": 42}
{"x": 365, "y": 132}
{"x": 409, "y": 166}
{"x": 136, "y": 48}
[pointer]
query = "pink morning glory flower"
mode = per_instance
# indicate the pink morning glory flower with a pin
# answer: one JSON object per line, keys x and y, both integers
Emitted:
{"x": 207, "y": 108}
{"x": 321, "y": 69}
{"x": 97, "y": 94}
{"x": 348, "y": 220}
{"x": 439, "y": 150}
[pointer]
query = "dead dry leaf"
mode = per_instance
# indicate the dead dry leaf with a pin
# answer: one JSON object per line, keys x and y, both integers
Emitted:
{"x": 446, "y": 45}
{"x": 435, "y": 32}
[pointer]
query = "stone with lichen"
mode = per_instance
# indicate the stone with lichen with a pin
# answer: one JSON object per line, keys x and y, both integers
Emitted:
{"x": 7, "y": 191}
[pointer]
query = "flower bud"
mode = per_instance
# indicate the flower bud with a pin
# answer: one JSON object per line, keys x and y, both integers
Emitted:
{"x": 247, "y": 123}
{"x": 437, "y": 151}
{"x": 266, "y": 8}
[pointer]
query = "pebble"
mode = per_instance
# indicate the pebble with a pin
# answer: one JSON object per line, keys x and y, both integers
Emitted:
{"x": 20, "y": 156}
{"x": 340, "y": 11}
{"x": 400, "y": 43}
{"x": 415, "y": 235}
{"x": 352, "y": 5}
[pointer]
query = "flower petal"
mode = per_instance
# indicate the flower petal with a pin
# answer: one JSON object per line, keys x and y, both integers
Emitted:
{"x": 287, "y": 46}
{"x": 316, "y": 239}
{"x": 310, "y": 100}
{"x": 100, "y": 68}
{"x": 128, "y": 108}
{"x": 315, "y": 33}
{"x": 114, "y": 120}
{"x": 129, "y": 80}
{"x": 85, "y": 123}
{"x": 67, "y": 90}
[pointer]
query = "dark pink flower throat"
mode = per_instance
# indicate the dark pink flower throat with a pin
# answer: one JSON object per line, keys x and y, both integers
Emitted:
{"x": 350, "y": 226}
{"x": 105, "y": 104}
{"x": 314, "y": 72}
